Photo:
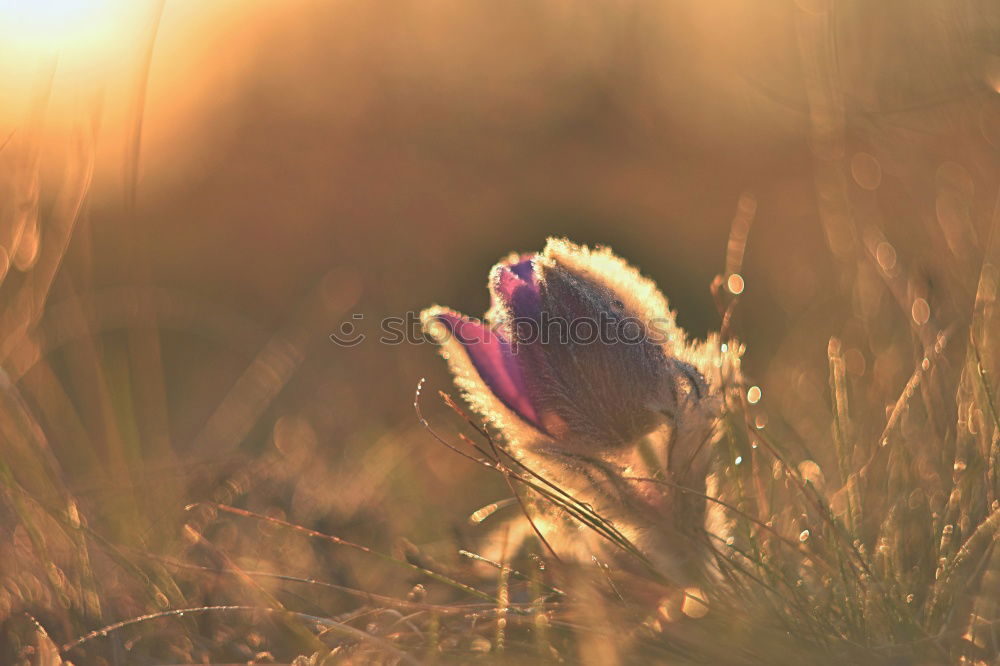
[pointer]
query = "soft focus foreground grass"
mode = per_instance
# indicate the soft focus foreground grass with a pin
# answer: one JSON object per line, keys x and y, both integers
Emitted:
{"x": 201, "y": 480}
{"x": 871, "y": 541}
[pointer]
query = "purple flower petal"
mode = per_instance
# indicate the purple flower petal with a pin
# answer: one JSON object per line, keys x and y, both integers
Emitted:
{"x": 518, "y": 289}
{"x": 491, "y": 355}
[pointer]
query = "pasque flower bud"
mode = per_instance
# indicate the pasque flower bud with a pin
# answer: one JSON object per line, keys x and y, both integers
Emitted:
{"x": 579, "y": 360}
{"x": 577, "y": 345}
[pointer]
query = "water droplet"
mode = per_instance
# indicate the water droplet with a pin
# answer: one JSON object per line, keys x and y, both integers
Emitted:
{"x": 417, "y": 593}
{"x": 730, "y": 540}
{"x": 959, "y": 465}
{"x": 804, "y": 536}
{"x": 735, "y": 284}
{"x": 909, "y": 598}
{"x": 753, "y": 395}
{"x": 948, "y": 529}
{"x": 738, "y": 460}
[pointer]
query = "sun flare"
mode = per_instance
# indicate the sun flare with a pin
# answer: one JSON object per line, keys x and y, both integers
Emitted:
{"x": 58, "y": 26}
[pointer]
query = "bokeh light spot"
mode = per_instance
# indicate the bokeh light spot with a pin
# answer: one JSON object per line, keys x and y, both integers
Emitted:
{"x": 885, "y": 254}
{"x": 921, "y": 311}
{"x": 866, "y": 170}
{"x": 854, "y": 361}
{"x": 735, "y": 284}
{"x": 695, "y": 603}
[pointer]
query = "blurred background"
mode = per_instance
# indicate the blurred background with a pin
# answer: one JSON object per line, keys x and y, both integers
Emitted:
{"x": 195, "y": 195}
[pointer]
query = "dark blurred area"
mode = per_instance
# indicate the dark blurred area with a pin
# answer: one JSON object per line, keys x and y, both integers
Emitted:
{"x": 303, "y": 162}
{"x": 410, "y": 146}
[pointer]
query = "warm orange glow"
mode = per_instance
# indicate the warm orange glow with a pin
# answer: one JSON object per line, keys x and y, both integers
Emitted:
{"x": 71, "y": 48}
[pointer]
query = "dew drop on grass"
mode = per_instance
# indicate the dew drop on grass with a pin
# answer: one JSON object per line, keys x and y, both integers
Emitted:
{"x": 735, "y": 284}
{"x": 925, "y": 365}
{"x": 753, "y": 395}
{"x": 738, "y": 460}
{"x": 909, "y": 598}
{"x": 804, "y": 536}
{"x": 417, "y": 593}
{"x": 959, "y": 465}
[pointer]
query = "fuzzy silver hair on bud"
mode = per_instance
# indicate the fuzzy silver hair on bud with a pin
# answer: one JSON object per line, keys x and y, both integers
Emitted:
{"x": 581, "y": 368}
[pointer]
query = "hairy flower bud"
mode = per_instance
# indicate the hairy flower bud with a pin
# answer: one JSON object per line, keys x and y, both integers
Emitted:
{"x": 577, "y": 362}
{"x": 579, "y": 346}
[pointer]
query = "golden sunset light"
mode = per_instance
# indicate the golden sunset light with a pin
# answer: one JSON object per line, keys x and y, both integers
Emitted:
{"x": 499, "y": 332}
